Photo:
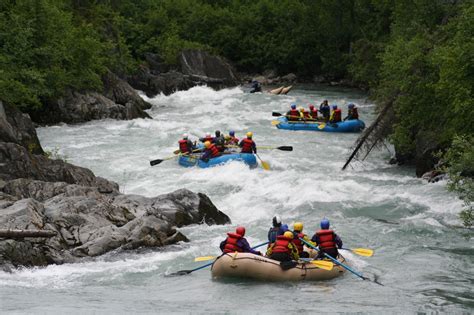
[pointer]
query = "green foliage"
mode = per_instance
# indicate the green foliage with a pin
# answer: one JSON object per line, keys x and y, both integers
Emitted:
{"x": 459, "y": 164}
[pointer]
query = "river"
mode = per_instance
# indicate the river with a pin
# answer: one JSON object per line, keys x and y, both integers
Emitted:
{"x": 422, "y": 256}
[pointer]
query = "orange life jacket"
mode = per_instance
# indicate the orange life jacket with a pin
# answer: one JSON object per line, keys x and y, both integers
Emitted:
{"x": 298, "y": 243}
{"x": 354, "y": 113}
{"x": 231, "y": 243}
{"x": 337, "y": 115}
{"x": 214, "y": 150}
{"x": 314, "y": 113}
{"x": 183, "y": 146}
{"x": 281, "y": 245}
{"x": 247, "y": 145}
{"x": 327, "y": 239}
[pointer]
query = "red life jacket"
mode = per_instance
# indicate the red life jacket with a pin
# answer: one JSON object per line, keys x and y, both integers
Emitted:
{"x": 337, "y": 115}
{"x": 281, "y": 245}
{"x": 247, "y": 145}
{"x": 233, "y": 140}
{"x": 355, "y": 113}
{"x": 306, "y": 114}
{"x": 214, "y": 151}
{"x": 327, "y": 239}
{"x": 314, "y": 113}
{"x": 298, "y": 243}
{"x": 183, "y": 146}
{"x": 294, "y": 114}
{"x": 231, "y": 243}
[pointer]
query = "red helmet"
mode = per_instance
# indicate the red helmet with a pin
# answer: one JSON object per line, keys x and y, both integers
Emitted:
{"x": 240, "y": 230}
{"x": 311, "y": 106}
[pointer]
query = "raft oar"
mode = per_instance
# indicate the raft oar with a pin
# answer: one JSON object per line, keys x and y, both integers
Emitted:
{"x": 265, "y": 165}
{"x": 322, "y": 264}
{"x": 282, "y": 148}
{"x": 340, "y": 263}
{"x": 158, "y": 161}
{"x": 361, "y": 251}
{"x": 185, "y": 272}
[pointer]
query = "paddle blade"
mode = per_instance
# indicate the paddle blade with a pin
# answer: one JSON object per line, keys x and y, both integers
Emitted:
{"x": 326, "y": 265}
{"x": 321, "y": 126}
{"x": 155, "y": 162}
{"x": 275, "y": 122}
{"x": 265, "y": 165}
{"x": 275, "y": 114}
{"x": 176, "y": 151}
{"x": 179, "y": 273}
{"x": 285, "y": 148}
{"x": 363, "y": 252}
{"x": 204, "y": 258}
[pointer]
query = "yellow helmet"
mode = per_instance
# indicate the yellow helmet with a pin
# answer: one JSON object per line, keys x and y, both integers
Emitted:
{"x": 207, "y": 144}
{"x": 249, "y": 134}
{"x": 301, "y": 109}
{"x": 288, "y": 234}
{"x": 298, "y": 226}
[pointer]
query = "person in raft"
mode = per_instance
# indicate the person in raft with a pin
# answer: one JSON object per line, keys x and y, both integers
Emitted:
{"x": 293, "y": 113}
{"x": 185, "y": 145}
{"x": 304, "y": 115}
{"x": 352, "y": 112}
{"x": 231, "y": 139}
{"x": 276, "y": 230}
{"x": 236, "y": 242}
{"x": 298, "y": 233}
{"x": 324, "y": 109}
{"x": 207, "y": 137}
{"x": 210, "y": 151}
{"x": 256, "y": 87}
{"x": 283, "y": 249}
{"x": 336, "y": 115}
{"x": 247, "y": 144}
{"x": 313, "y": 112}
{"x": 327, "y": 240}
{"x": 219, "y": 141}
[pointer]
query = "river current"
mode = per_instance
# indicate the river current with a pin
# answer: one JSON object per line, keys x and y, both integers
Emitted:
{"x": 422, "y": 255}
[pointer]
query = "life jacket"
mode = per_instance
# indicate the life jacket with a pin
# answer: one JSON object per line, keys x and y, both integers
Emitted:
{"x": 305, "y": 114}
{"x": 336, "y": 115}
{"x": 183, "y": 146}
{"x": 233, "y": 140}
{"x": 231, "y": 243}
{"x": 298, "y": 243}
{"x": 354, "y": 113}
{"x": 247, "y": 146}
{"x": 219, "y": 142}
{"x": 294, "y": 114}
{"x": 214, "y": 151}
{"x": 314, "y": 113}
{"x": 273, "y": 233}
{"x": 281, "y": 245}
{"x": 327, "y": 239}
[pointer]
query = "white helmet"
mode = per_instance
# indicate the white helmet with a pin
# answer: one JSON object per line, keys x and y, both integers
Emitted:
{"x": 208, "y": 134}
{"x": 185, "y": 136}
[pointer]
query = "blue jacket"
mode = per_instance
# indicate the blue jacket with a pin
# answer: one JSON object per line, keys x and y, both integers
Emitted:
{"x": 274, "y": 232}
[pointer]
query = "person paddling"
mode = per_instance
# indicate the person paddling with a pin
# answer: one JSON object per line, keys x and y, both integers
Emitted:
{"x": 327, "y": 240}
{"x": 185, "y": 145}
{"x": 293, "y": 113}
{"x": 313, "y": 112}
{"x": 231, "y": 139}
{"x": 210, "y": 152}
{"x": 207, "y": 137}
{"x": 336, "y": 115}
{"x": 283, "y": 249}
{"x": 219, "y": 141}
{"x": 235, "y": 242}
{"x": 352, "y": 112}
{"x": 247, "y": 144}
{"x": 298, "y": 233}
{"x": 276, "y": 230}
{"x": 324, "y": 109}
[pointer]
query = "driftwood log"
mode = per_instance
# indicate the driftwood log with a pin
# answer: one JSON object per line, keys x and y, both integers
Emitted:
{"x": 26, "y": 233}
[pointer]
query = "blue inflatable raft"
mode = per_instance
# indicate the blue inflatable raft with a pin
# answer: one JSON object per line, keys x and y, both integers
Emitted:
{"x": 355, "y": 125}
{"x": 189, "y": 161}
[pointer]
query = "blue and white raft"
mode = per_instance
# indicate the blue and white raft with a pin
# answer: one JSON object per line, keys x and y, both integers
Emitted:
{"x": 354, "y": 125}
{"x": 195, "y": 160}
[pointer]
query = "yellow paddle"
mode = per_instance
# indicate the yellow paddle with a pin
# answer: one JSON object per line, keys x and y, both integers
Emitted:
{"x": 361, "y": 251}
{"x": 204, "y": 258}
{"x": 275, "y": 122}
{"x": 323, "y": 264}
{"x": 321, "y": 126}
{"x": 265, "y": 165}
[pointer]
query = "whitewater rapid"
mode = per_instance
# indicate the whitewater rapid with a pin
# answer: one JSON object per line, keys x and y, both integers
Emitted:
{"x": 409, "y": 223}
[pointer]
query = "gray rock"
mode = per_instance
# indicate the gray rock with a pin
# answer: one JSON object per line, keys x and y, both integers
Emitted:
{"x": 122, "y": 93}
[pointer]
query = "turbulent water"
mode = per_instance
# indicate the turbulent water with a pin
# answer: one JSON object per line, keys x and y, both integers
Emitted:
{"x": 422, "y": 256}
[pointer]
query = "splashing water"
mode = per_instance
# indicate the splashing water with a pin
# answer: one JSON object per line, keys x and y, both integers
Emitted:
{"x": 422, "y": 257}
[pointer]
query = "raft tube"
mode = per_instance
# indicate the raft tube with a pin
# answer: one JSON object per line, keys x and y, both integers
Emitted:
{"x": 354, "y": 125}
{"x": 250, "y": 266}
{"x": 189, "y": 161}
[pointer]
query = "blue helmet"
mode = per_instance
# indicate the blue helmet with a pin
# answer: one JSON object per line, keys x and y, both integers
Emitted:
{"x": 231, "y": 133}
{"x": 334, "y": 106}
{"x": 350, "y": 105}
{"x": 325, "y": 224}
{"x": 284, "y": 227}
{"x": 293, "y": 106}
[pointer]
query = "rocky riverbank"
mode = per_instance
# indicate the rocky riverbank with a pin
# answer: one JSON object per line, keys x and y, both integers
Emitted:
{"x": 88, "y": 213}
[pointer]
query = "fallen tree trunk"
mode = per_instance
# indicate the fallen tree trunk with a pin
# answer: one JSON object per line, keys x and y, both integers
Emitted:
{"x": 26, "y": 233}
